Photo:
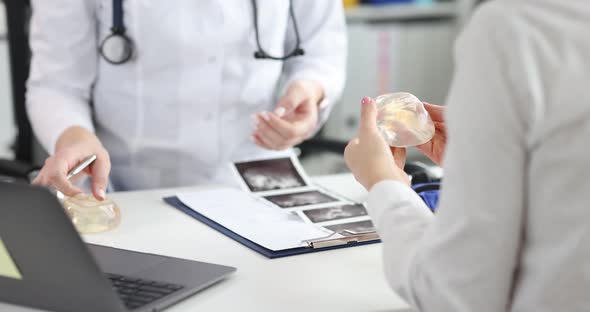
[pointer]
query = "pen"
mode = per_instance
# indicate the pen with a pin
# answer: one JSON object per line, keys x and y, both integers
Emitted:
{"x": 85, "y": 163}
{"x": 81, "y": 166}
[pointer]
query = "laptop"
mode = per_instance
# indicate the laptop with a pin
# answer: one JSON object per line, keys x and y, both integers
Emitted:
{"x": 59, "y": 272}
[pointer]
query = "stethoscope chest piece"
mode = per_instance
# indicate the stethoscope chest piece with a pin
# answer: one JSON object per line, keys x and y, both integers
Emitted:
{"x": 116, "y": 48}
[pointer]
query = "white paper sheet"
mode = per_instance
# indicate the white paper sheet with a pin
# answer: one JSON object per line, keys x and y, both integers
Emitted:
{"x": 251, "y": 218}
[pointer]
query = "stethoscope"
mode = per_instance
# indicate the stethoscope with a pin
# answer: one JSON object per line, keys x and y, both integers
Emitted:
{"x": 117, "y": 48}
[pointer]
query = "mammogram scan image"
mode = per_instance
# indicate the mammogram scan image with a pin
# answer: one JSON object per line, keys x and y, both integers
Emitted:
{"x": 335, "y": 213}
{"x": 293, "y": 200}
{"x": 271, "y": 174}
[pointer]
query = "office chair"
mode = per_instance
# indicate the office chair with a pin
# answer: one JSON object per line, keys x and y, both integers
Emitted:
{"x": 18, "y": 13}
{"x": 319, "y": 144}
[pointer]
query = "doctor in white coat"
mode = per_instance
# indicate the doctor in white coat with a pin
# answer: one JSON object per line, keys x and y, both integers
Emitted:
{"x": 176, "y": 92}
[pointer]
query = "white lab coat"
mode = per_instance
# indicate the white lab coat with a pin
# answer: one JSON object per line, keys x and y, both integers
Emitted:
{"x": 180, "y": 111}
{"x": 512, "y": 232}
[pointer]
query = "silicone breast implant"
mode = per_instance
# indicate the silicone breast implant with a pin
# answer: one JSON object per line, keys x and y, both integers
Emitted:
{"x": 402, "y": 120}
{"x": 90, "y": 215}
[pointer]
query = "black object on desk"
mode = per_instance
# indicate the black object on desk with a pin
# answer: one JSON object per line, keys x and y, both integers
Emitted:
{"x": 57, "y": 271}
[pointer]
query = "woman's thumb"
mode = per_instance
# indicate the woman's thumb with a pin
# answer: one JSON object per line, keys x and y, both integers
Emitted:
{"x": 368, "y": 115}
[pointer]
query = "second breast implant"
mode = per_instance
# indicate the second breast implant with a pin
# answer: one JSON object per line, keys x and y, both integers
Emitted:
{"x": 402, "y": 120}
{"x": 89, "y": 215}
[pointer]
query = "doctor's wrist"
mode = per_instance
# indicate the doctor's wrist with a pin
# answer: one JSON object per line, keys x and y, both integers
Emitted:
{"x": 314, "y": 89}
{"x": 75, "y": 135}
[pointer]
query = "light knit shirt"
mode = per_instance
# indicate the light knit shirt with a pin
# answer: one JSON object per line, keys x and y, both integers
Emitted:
{"x": 512, "y": 232}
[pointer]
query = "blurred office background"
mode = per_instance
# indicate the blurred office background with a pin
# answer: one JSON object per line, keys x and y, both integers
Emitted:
{"x": 394, "y": 45}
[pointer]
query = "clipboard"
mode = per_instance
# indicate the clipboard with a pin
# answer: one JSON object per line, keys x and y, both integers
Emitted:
{"x": 330, "y": 242}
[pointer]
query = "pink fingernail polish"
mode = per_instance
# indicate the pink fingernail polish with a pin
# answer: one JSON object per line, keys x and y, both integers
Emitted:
{"x": 265, "y": 116}
{"x": 280, "y": 111}
{"x": 366, "y": 100}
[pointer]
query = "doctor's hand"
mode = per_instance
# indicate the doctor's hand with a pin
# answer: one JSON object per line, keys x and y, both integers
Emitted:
{"x": 72, "y": 147}
{"x": 294, "y": 119}
{"x": 435, "y": 148}
{"x": 369, "y": 157}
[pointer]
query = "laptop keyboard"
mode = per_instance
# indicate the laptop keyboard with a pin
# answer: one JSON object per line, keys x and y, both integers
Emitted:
{"x": 136, "y": 292}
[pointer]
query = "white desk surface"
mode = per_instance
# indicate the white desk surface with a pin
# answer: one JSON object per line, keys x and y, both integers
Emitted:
{"x": 349, "y": 279}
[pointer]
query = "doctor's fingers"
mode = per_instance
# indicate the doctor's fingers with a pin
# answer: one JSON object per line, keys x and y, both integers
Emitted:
{"x": 263, "y": 123}
{"x": 264, "y": 142}
{"x": 54, "y": 174}
{"x": 271, "y": 138}
{"x": 259, "y": 142}
{"x": 294, "y": 96}
{"x": 286, "y": 129}
{"x": 99, "y": 171}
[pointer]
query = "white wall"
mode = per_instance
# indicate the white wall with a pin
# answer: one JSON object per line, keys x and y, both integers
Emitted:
{"x": 7, "y": 127}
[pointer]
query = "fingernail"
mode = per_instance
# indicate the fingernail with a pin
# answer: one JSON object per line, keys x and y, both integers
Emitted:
{"x": 265, "y": 116}
{"x": 102, "y": 193}
{"x": 366, "y": 100}
{"x": 280, "y": 111}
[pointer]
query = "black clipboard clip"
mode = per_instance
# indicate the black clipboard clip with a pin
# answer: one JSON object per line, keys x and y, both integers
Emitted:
{"x": 346, "y": 237}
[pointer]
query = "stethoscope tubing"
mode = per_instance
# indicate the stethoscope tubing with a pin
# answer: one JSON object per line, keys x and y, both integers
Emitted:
{"x": 118, "y": 32}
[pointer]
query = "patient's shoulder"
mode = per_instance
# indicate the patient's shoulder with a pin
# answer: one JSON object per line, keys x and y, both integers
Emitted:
{"x": 540, "y": 19}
